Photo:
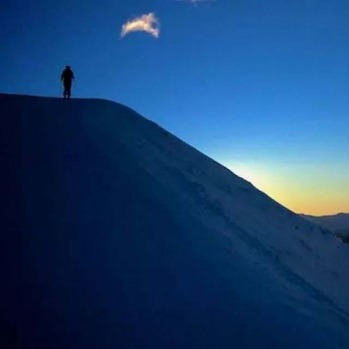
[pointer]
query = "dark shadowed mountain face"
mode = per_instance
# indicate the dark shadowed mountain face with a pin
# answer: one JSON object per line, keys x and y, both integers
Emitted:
{"x": 338, "y": 223}
{"x": 116, "y": 234}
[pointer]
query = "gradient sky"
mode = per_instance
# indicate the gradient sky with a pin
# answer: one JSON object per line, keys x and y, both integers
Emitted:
{"x": 260, "y": 86}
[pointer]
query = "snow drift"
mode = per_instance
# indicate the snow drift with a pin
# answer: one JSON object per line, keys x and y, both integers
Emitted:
{"x": 116, "y": 234}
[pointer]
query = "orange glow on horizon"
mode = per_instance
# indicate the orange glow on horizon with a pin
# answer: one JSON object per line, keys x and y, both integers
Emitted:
{"x": 308, "y": 191}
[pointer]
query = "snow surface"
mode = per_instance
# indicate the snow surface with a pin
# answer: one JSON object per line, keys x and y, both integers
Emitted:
{"x": 116, "y": 234}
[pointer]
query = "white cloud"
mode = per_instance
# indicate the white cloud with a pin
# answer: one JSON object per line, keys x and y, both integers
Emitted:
{"x": 147, "y": 23}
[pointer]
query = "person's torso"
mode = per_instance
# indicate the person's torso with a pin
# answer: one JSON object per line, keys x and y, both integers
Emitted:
{"x": 67, "y": 74}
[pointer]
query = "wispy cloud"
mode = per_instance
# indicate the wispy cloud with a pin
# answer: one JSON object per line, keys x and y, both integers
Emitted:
{"x": 148, "y": 23}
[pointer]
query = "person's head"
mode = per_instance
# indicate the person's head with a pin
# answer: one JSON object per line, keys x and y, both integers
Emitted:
{"x": 67, "y": 67}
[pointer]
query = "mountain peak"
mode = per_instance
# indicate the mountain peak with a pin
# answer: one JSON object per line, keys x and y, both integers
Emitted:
{"x": 131, "y": 238}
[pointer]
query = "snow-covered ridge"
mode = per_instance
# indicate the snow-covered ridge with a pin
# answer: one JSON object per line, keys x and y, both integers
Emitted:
{"x": 132, "y": 238}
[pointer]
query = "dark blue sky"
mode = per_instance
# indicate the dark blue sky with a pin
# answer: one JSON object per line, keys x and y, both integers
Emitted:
{"x": 262, "y": 86}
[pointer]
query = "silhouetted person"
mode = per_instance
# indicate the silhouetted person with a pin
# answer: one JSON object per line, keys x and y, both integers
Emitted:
{"x": 67, "y": 78}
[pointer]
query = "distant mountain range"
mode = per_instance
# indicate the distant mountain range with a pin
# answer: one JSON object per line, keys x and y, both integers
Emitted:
{"x": 338, "y": 223}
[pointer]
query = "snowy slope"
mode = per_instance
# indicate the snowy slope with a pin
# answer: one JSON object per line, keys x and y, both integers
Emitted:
{"x": 116, "y": 234}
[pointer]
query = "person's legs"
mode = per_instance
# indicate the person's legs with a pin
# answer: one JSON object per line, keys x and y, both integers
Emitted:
{"x": 67, "y": 90}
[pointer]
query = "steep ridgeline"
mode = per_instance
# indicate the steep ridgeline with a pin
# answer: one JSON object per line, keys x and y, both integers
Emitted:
{"x": 116, "y": 234}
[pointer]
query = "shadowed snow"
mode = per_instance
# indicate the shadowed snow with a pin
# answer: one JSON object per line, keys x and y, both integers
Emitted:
{"x": 116, "y": 234}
